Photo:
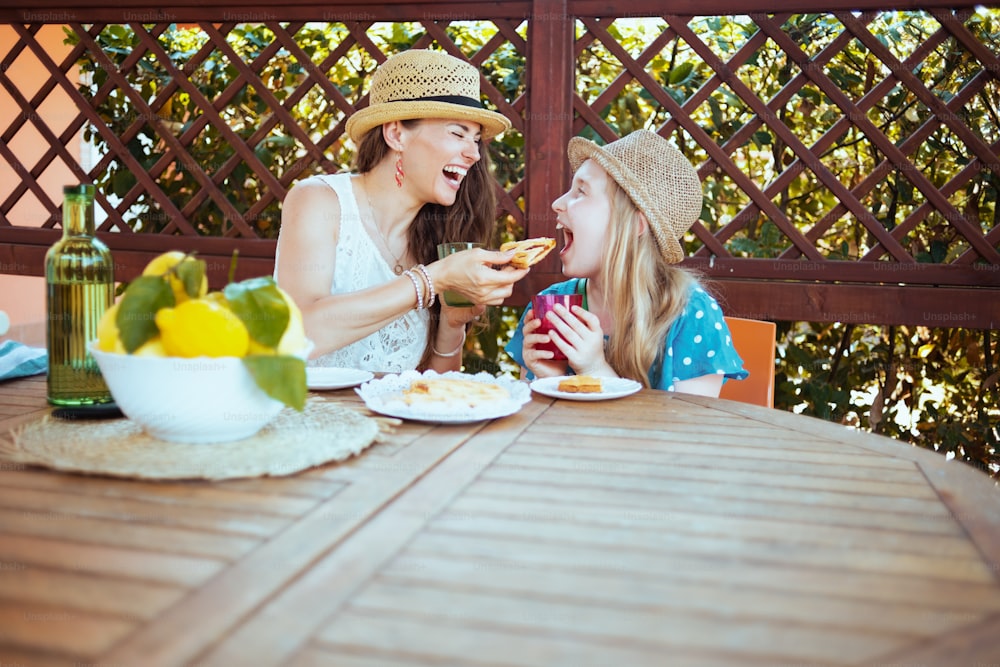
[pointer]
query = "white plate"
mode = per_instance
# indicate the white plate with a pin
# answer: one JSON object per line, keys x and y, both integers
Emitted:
{"x": 610, "y": 388}
{"x": 384, "y": 396}
{"x": 322, "y": 377}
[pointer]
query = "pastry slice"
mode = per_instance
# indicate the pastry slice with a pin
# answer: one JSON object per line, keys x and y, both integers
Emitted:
{"x": 466, "y": 392}
{"x": 529, "y": 251}
{"x": 580, "y": 384}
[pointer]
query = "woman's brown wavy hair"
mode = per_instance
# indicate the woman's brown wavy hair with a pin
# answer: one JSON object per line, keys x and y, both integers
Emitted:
{"x": 471, "y": 218}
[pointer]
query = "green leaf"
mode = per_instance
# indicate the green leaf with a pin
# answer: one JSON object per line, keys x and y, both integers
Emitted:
{"x": 280, "y": 140}
{"x": 716, "y": 112}
{"x": 122, "y": 181}
{"x": 282, "y": 378}
{"x": 681, "y": 72}
{"x": 191, "y": 273}
{"x": 939, "y": 251}
{"x": 762, "y": 138}
{"x": 265, "y": 156}
{"x": 261, "y": 306}
{"x": 144, "y": 296}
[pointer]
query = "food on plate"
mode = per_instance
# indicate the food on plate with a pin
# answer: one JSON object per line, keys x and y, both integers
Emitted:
{"x": 529, "y": 251}
{"x": 580, "y": 384}
{"x": 454, "y": 390}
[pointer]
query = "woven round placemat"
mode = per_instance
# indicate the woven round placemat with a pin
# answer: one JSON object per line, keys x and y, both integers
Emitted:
{"x": 294, "y": 441}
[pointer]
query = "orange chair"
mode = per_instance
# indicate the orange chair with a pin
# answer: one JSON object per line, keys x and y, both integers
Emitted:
{"x": 754, "y": 341}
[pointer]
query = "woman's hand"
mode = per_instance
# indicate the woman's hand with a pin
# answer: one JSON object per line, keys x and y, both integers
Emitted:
{"x": 472, "y": 273}
{"x": 579, "y": 336}
{"x": 459, "y": 317}
{"x": 450, "y": 338}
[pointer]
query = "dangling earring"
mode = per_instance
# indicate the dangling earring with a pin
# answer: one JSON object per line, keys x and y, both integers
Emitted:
{"x": 399, "y": 171}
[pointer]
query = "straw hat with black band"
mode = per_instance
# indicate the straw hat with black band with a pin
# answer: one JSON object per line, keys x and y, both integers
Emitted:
{"x": 424, "y": 84}
{"x": 658, "y": 179}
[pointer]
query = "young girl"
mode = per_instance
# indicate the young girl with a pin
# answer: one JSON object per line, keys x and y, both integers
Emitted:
{"x": 645, "y": 317}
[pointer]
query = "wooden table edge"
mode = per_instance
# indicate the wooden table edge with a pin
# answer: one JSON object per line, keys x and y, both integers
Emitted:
{"x": 964, "y": 489}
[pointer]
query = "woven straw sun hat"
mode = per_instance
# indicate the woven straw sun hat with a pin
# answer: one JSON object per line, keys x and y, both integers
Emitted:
{"x": 424, "y": 84}
{"x": 658, "y": 178}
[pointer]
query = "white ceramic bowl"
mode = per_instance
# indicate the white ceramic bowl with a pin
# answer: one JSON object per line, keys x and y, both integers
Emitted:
{"x": 196, "y": 400}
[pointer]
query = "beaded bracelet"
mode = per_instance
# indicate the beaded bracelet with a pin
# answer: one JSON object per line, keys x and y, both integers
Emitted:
{"x": 453, "y": 353}
{"x": 416, "y": 288}
{"x": 430, "y": 283}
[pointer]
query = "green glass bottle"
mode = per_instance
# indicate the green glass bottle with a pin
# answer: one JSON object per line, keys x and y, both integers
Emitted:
{"x": 79, "y": 276}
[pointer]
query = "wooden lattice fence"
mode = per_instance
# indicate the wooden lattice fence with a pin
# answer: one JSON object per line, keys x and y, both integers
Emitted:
{"x": 827, "y": 196}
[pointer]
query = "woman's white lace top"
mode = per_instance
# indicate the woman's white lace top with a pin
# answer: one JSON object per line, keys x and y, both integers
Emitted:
{"x": 399, "y": 345}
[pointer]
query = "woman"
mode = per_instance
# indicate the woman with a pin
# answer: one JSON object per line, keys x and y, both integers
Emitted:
{"x": 645, "y": 318}
{"x": 358, "y": 251}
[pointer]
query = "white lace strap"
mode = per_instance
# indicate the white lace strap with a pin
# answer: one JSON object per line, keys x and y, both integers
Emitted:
{"x": 350, "y": 214}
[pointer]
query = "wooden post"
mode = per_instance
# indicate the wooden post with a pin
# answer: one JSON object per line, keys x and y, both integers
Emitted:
{"x": 548, "y": 123}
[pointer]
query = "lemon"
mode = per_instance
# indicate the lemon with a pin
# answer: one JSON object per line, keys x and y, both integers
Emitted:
{"x": 152, "y": 348}
{"x": 293, "y": 340}
{"x": 217, "y": 297}
{"x": 202, "y": 328}
{"x": 108, "y": 338}
{"x": 162, "y": 264}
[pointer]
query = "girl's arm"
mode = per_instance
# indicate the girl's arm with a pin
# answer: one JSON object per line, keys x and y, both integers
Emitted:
{"x": 705, "y": 385}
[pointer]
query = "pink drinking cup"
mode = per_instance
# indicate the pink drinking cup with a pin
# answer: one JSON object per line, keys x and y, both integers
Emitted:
{"x": 542, "y": 304}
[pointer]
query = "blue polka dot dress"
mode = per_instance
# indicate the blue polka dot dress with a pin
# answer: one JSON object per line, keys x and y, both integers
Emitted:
{"x": 698, "y": 343}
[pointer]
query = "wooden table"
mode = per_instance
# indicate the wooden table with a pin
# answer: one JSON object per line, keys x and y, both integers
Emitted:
{"x": 658, "y": 529}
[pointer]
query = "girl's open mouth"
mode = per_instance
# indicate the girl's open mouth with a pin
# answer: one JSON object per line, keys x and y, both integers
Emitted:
{"x": 567, "y": 239}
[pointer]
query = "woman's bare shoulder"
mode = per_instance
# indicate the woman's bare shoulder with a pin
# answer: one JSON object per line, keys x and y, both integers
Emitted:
{"x": 311, "y": 188}
{"x": 311, "y": 201}
{"x": 310, "y": 220}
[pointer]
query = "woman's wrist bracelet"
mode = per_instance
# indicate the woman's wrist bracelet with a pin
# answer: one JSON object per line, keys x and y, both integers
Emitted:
{"x": 430, "y": 283}
{"x": 453, "y": 353}
{"x": 417, "y": 287}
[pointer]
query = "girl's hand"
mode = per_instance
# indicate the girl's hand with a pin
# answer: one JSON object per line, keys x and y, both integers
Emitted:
{"x": 580, "y": 337}
{"x": 539, "y": 362}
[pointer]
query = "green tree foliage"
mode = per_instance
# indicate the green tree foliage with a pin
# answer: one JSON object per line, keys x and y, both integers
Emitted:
{"x": 932, "y": 385}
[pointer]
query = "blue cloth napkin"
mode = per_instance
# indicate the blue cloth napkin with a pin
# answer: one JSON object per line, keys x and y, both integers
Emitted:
{"x": 18, "y": 360}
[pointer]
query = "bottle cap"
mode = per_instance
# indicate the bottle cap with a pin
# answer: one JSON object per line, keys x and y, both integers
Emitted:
{"x": 84, "y": 189}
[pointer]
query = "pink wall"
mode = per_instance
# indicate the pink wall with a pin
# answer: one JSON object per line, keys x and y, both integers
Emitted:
{"x": 23, "y": 297}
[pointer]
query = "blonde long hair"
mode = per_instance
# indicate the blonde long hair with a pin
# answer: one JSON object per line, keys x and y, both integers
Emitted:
{"x": 644, "y": 293}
